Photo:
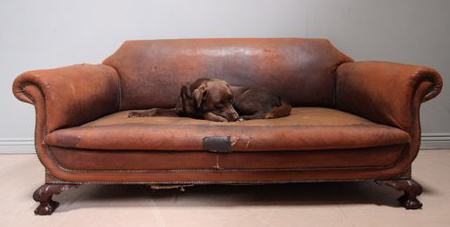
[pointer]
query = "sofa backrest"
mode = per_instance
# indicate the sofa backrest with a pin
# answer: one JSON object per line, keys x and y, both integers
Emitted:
{"x": 300, "y": 70}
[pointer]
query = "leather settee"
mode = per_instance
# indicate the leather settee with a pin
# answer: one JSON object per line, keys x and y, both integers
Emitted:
{"x": 350, "y": 120}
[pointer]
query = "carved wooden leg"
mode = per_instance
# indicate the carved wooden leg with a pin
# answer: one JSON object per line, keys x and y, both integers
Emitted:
{"x": 44, "y": 194}
{"x": 411, "y": 188}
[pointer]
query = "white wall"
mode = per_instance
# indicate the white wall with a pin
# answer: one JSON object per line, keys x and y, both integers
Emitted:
{"x": 53, "y": 33}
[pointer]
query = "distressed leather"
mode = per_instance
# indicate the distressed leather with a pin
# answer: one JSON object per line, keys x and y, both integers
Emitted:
{"x": 73, "y": 95}
{"x": 367, "y": 125}
{"x": 299, "y": 131}
{"x": 300, "y": 70}
{"x": 158, "y": 160}
{"x": 387, "y": 90}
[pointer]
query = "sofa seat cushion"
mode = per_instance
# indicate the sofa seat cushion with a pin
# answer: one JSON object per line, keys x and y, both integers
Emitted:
{"x": 304, "y": 129}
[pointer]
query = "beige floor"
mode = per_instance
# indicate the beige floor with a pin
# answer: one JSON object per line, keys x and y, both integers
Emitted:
{"x": 306, "y": 204}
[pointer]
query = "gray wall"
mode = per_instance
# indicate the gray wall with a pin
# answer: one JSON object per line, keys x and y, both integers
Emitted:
{"x": 54, "y": 33}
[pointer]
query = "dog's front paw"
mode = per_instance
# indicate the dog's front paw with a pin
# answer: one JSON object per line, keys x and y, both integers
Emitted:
{"x": 218, "y": 119}
{"x": 214, "y": 117}
{"x": 222, "y": 119}
{"x": 135, "y": 114}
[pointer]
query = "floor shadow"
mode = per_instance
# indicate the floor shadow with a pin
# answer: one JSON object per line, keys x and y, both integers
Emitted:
{"x": 292, "y": 194}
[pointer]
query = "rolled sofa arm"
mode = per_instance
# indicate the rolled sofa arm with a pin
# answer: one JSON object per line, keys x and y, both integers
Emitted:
{"x": 384, "y": 92}
{"x": 69, "y": 96}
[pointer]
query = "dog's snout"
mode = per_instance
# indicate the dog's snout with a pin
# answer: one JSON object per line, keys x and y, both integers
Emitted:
{"x": 233, "y": 116}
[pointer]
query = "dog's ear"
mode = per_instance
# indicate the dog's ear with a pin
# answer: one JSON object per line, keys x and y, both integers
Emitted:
{"x": 186, "y": 92}
{"x": 200, "y": 94}
{"x": 179, "y": 107}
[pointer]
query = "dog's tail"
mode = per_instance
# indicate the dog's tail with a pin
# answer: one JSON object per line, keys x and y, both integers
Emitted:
{"x": 282, "y": 111}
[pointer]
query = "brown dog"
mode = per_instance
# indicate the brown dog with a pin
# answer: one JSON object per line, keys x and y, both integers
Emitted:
{"x": 215, "y": 100}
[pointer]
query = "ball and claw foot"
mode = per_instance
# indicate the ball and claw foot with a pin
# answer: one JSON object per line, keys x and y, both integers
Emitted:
{"x": 44, "y": 194}
{"x": 411, "y": 188}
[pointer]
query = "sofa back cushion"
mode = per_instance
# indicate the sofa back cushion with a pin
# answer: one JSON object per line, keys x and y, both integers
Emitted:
{"x": 300, "y": 70}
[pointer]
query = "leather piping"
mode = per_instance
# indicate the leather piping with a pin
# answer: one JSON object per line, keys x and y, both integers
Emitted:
{"x": 22, "y": 90}
{"x": 221, "y": 182}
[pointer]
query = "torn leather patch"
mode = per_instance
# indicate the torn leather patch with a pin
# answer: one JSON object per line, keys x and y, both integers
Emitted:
{"x": 217, "y": 144}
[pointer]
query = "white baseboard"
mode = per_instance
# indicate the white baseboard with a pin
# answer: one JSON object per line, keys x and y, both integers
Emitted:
{"x": 435, "y": 141}
{"x": 17, "y": 146}
{"x": 430, "y": 141}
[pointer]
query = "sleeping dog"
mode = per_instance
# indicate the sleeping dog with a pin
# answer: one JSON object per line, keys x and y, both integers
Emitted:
{"x": 216, "y": 100}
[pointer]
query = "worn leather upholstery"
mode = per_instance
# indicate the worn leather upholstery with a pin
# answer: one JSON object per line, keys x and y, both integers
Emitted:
{"x": 73, "y": 95}
{"x": 304, "y": 129}
{"x": 190, "y": 161}
{"x": 300, "y": 70}
{"x": 386, "y": 88}
{"x": 351, "y": 120}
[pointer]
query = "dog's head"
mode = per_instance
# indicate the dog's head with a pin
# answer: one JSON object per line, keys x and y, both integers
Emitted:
{"x": 207, "y": 95}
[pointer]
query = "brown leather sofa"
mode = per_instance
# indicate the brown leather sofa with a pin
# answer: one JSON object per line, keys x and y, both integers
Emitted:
{"x": 350, "y": 121}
